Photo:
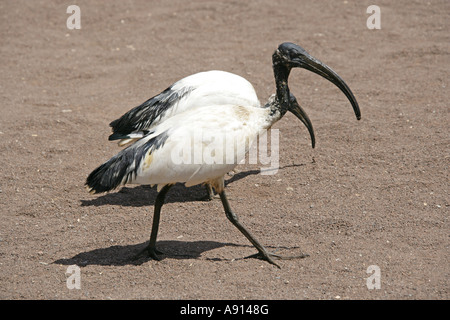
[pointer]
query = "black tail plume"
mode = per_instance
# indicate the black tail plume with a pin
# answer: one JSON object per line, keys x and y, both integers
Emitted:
{"x": 123, "y": 167}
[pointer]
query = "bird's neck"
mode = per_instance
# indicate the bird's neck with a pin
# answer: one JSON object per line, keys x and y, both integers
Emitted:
{"x": 281, "y": 73}
{"x": 280, "y": 104}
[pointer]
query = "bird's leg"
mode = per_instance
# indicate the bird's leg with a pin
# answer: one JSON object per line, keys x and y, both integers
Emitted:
{"x": 209, "y": 191}
{"x": 300, "y": 256}
{"x": 263, "y": 254}
{"x": 151, "y": 247}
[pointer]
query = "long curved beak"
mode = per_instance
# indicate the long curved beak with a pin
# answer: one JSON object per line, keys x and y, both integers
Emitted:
{"x": 306, "y": 61}
{"x": 295, "y": 108}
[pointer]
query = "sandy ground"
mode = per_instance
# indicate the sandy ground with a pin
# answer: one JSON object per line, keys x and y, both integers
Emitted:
{"x": 372, "y": 192}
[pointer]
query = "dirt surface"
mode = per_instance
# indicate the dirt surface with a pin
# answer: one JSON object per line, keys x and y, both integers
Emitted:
{"x": 372, "y": 192}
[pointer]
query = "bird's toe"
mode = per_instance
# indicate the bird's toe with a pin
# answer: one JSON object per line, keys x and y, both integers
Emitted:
{"x": 149, "y": 252}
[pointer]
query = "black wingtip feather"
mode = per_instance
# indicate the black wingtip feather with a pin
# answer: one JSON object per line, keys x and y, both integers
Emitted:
{"x": 109, "y": 175}
{"x": 123, "y": 167}
{"x": 144, "y": 116}
{"x": 116, "y": 136}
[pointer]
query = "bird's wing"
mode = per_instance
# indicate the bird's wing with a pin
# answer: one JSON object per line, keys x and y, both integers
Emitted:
{"x": 203, "y": 144}
{"x": 126, "y": 165}
{"x": 192, "y": 147}
{"x": 135, "y": 123}
{"x": 201, "y": 89}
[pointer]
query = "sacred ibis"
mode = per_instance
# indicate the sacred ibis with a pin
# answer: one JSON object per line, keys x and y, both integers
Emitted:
{"x": 207, "y": 88}
{"x": 158, "y": 157}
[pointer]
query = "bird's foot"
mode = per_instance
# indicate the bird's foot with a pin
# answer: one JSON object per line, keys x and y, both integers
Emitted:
{"x": 209, "y": 197}
{"x": 149, "y": 251}
{"x": 269, "y": 257}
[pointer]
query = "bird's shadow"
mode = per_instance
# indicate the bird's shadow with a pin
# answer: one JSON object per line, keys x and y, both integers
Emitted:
{"x": 145, "y": 195}
{"x": 126, "y": 255}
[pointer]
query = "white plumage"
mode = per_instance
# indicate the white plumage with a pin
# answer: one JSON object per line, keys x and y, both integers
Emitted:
{"x": 210, "y": 128}
{"x": 209, "y": 88}
{"x": 195, "y": 113}
{"x": 215, "y": 88}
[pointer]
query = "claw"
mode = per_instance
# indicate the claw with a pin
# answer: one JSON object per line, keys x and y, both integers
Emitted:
{"x": 267, "y": 256}
{"x": 148, "y": 251}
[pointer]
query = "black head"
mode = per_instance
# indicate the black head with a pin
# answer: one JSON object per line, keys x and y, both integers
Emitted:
{"x": 289, "y": 55}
